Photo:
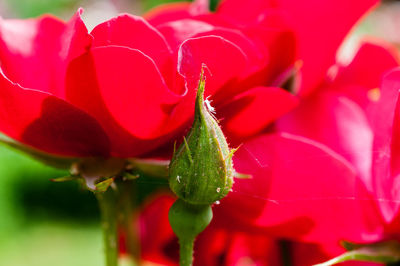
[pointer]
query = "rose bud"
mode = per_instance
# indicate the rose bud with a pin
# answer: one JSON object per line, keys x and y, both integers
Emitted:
{"x": 201, "y": 170}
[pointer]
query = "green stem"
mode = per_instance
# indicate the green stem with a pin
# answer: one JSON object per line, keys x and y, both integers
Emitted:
{"x": 187, "y": 221}
{"x": 127, "y": 218}
{"x": 186, "y": 252}
{"x": 107, "y": 204}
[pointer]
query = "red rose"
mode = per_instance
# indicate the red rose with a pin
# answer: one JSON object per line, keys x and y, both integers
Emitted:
{"x": 127, "y": 87}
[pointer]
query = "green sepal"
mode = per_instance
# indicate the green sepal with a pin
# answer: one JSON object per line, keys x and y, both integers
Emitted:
{"x": 57, "y": 161}
{"x": 129, "y": 176}
{"x": 383, "y": 252}
{"x": 151, "y": 167}
{"x": 103, "y": 185}
{"x": 351, "y": 246}
{"x": 242, "y": 175}
{"x": 65, "y": 179}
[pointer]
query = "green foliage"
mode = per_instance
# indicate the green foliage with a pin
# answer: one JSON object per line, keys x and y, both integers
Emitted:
{"x": 33, "y": 8}
{"x": 148, "y": 4}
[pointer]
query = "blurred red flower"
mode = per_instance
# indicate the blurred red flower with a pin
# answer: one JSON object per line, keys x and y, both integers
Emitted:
{"x": 218, "y": 246}
{"x": 330, "y": 170}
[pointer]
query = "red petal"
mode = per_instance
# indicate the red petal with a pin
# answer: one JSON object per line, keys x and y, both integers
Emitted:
{"x": 252, "y": 249}
{"x": 386, "y": 147}
{"x": 28, "y": 47}
{"x": 136, "y": 33}
{"x": 48, "y": 123}
{"x": 293, "y": 180}
{"x": 320, "y": 32}
{"x": 244, "y": 14}
{"x": 250, "y": 112}
{"x": 156, "y": 235}
{"x": 224, "y": 62}
{"x": 281, "y": 47}
{"x": 332, "y": 119}
{"x": 176, "y": 11}
{"x": 365, "y": 72}
{"x": 180, "y": 30}
{"x": 124, "y": 90}
{"x": 35, "y": 52}
{"x": 258, "y": 56}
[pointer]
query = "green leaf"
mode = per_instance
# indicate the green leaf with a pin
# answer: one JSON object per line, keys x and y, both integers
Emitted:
{"x": 383, "y": 252}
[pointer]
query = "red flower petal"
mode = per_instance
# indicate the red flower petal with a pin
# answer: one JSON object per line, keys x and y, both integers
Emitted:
{"x": 386, "y": 147}
{"x": 178, "y": 31}
{"x": 252, "y": 249}
{"x": 258, "y": 56}
{"x": 48, "y": 123}
{"x": 294, "y": 179}
{"x": 123, "y": 89}
{"x": 319, "y": 32}
{"x": 176, "y": 11}
{"x": 243, "y": 13}
{"x": 250, "y": 112}
{"x": 281, "y": 47}
{"x": 365, "y": 72}
{"x": 28, "y": 48}
{"x": 224, "y": 62}
{"x": 158, "y": 242}
{"x": 133, "y": 32}
{"x": 35, "y": 52}
{"x": 332, "y": 119}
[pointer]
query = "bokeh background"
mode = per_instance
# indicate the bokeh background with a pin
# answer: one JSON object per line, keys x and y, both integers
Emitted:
{"x": 43, "y": 223}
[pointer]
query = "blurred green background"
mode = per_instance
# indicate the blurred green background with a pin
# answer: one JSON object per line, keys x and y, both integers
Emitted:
{"x": 43, "y": 223}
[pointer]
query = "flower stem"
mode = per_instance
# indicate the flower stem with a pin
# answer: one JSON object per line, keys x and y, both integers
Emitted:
{"x": 107, "y": 204}
{"x": 128, "y": 216}
{"x": 187, "y": 221}
{"x": 186, "y": 251}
